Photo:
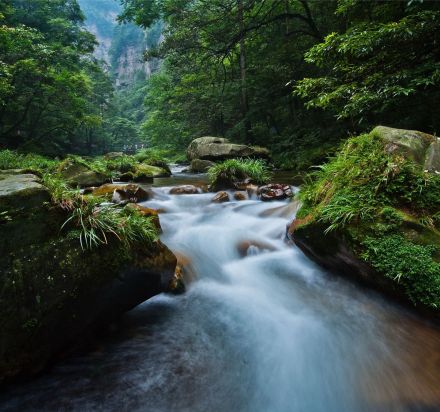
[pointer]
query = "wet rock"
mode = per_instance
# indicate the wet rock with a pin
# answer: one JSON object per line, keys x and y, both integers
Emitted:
{"x": 129, "y": 194}
{"x": 184, "y": 190}
{"x": 221, "y": 197}
{"x": 240, "y": 196}
{"x": 218, "y": 148}
{"x": 252, "y": 190}
{"x": 200, "y": 166}
{"x": 243, "y": 185}
{"x": 274, "y": 191}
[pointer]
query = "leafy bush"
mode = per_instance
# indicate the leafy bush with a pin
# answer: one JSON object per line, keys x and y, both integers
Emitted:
{"x": 236, "y": 170}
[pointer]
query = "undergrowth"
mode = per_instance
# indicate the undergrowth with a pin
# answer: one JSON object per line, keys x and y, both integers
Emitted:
{"x": 10, "y": 159}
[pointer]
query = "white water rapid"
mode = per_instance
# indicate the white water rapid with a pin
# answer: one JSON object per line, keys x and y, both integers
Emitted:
{"x": 260, "y": 329}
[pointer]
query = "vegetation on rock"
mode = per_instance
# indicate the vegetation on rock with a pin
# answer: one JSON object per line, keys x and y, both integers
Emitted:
{"x": 226, "y": 174}
{"x": 386, "y": 206}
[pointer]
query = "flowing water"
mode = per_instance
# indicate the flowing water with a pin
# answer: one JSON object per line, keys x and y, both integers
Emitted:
{"x": 260, "y": 329}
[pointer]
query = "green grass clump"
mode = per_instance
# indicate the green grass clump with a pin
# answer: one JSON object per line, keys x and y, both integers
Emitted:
{"x": 362, "y": 179}
{"x": 95, "y": 224}
{"x": 10, "y": 159}
{"x": 236, "y": 170}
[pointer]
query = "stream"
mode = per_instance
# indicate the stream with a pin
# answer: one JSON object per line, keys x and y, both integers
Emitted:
{"x": 261, "y": 328}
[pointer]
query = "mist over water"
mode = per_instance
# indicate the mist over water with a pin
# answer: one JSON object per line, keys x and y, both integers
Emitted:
{"x": 260, "y": 329}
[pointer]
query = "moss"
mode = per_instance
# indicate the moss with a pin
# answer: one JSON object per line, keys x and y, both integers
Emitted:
{"x": 407, "y": 263}
{"x": 387, "y": 206}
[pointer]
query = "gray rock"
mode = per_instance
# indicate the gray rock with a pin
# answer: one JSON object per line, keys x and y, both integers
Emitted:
{"x": 218, "y": 148}
{"x": 432, "y": 160}
{"x": 411, "y": 143}
{"x": 21, "y": 191}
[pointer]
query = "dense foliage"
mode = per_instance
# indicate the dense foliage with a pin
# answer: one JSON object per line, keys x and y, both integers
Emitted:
{"x": 237, "y": 69}
{"x": 46, "y": 72}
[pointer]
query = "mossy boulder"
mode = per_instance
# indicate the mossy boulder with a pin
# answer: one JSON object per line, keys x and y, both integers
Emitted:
{"x": 143, "y": 173}
{"x": 373, "y": 213}
{"x": 79, "y": 174}
{"x": 53, "y": 292}
{"x": 218, "y": 148}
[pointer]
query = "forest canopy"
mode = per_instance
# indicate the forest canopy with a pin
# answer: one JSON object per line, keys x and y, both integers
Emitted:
{"x": 296, "y": 76}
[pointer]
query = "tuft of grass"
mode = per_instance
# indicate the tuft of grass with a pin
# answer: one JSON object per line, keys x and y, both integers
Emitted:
{"x": 236, "y": 170}
{"x": 96, "y": 224}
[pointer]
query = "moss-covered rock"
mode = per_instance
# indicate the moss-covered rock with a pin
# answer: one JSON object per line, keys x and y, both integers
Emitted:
{"x": 79, "y": 174}
{"x": 373, "y": 212}
{"x": 53, "y": 289}
{"x": 218, "y": 148}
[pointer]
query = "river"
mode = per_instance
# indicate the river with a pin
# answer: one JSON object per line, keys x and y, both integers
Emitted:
{"x": 261, "y": 328}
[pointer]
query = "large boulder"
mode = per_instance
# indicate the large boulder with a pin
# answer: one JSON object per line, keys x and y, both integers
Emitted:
{"x": 422, "y": 148}
{"x": 374, "y": 214}
{"x": 52, "y": 292}
{"x": 78, "y": 174}
{"x": 218, "y": 148}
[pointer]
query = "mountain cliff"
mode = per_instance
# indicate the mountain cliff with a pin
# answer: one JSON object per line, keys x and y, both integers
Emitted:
{"x": 120, "y": 46}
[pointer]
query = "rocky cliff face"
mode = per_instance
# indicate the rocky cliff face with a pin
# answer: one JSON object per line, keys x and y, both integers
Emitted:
{"x": 121, "y": 46}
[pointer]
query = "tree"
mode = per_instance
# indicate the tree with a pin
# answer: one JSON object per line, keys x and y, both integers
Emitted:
{"x": 46, "y": 85}
{"x": 384, "y": 69}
